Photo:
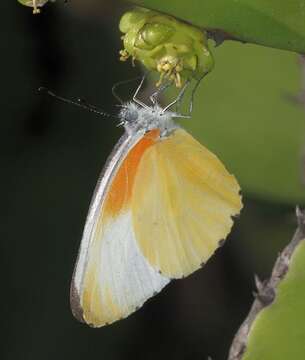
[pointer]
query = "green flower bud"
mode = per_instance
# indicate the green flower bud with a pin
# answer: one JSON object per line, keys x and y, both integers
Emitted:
{"x": 176, "y": 50}
{"x": 151, "y": 35}
{"x": 35, "y": 4}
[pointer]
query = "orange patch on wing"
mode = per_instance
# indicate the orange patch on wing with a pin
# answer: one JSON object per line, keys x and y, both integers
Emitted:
{"x": 121, "y": 187}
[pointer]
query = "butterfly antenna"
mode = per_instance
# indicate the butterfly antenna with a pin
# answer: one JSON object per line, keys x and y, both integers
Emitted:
{"x": 80, "y": 103}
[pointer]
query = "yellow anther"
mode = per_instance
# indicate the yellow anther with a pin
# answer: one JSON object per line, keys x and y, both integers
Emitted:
{"x": 35, "y": 8}
{"x": 179, "y": 67}
{"x": 166, "y": 67}
{"x": 124, "y": 55}
{"x": 159, "y": 67}
{"x": 178, "y": 80}
{"x": 160, "y": 79}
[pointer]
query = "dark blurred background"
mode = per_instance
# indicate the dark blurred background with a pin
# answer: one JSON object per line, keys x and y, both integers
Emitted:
{"x": 52, "y": 154}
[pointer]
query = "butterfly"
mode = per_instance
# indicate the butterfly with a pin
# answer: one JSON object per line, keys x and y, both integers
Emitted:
{"x": 162, "y": 206}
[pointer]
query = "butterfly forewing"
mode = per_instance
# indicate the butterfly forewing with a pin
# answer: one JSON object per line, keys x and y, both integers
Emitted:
{"x": 112, "y": 278}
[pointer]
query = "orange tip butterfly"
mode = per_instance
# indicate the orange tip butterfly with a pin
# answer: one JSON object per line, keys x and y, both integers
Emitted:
{"x": 162, "y": 206}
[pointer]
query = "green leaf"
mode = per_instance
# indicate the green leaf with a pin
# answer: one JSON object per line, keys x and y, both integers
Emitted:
{"x": 273, "y": 23}
{"x": 242, "y": 114}
{"x": 278, "y": 332}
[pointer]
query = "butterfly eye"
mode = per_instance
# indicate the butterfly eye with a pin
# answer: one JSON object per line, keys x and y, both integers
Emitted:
{"x": 178, "y": 51}
{"x": 129, "y": 116}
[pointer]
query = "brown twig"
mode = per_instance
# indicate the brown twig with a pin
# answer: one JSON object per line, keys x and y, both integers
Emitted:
{"x": 266, "y": 290}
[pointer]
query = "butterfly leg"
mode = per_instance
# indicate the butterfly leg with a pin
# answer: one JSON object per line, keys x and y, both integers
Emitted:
{"x": 154, "y": 96}
{"x": 135, "y": 99}
{"x": 116, "y": 85}
{"x": 193, "y": 94}
{"x": 179, "y": 97}
{"x": 189, "y": 115}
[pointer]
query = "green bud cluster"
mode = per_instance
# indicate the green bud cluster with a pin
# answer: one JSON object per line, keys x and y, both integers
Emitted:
{"x": 178, "y": 51}
{"x": 35, "y": 4}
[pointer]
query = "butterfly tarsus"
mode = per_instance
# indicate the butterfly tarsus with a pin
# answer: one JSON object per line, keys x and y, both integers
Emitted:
{"x": 154, "y": 96}
{"x": 178, "y": 98}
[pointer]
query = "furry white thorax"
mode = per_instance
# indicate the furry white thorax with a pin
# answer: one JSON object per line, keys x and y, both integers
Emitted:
{"x": 140, "y": 119}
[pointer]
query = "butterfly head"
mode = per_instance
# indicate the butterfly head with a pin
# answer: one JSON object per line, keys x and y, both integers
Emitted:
{"x": 137, "y": 118}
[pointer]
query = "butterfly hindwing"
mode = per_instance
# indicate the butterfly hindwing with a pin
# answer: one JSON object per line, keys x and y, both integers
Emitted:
{"x": 183, "y": 204}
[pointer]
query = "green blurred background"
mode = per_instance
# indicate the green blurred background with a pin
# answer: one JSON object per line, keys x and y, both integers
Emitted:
{"x": 52, "y": 154}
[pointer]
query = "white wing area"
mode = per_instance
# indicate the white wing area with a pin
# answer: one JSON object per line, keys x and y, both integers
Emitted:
{"x": 124, "y": 274}
{"x": 118, "y": 279}
{"x": 124, "y": 268}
